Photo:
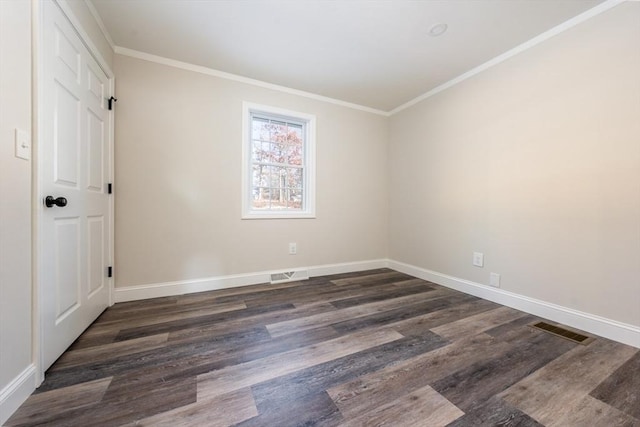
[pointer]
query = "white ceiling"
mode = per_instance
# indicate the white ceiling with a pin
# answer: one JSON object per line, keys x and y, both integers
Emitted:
{"x": 375, "y": 53}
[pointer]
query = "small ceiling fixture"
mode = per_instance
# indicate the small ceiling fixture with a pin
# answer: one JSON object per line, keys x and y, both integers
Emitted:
{"x": 438, "y": 29}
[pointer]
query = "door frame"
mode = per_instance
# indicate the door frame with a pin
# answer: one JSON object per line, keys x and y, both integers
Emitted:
{"x": 37, "y": 205}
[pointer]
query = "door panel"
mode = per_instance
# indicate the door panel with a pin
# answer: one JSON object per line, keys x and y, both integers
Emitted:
{"x": 74, "y": 163}
{"x": 66, "y": 121}
{"x": 95, "y": 146}
{"x": 96, "y": 255}
{"x": 67, "y": 266}
{"x": 68, "y": 53}
{"x": 95, "y": 86}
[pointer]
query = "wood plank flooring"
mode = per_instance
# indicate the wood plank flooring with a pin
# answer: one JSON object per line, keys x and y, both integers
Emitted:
{"x": 374, "y": 348}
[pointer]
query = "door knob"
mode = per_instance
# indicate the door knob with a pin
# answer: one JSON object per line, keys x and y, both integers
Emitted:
{"x": 49, "y": 201}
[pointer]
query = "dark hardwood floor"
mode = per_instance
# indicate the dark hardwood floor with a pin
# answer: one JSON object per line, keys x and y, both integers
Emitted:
{"x": 361, "y": 349}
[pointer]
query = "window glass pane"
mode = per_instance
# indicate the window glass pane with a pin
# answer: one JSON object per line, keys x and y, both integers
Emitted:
{"x": 267, "y": 156}
{"x": 278, "y": 131}
{"x": 293, "y": 155}
{"x": 295, "y": 133}
{"x": 258, "y": 152}
{"x": 276, "y": 177}
{"x": 294, "y": 178}
{"x": 278, "y": 198}
{"x": 279, "y": 151}
{"x": 295, "y": 197}
{"x": 259, "y": 198}
{"x": 260, "y": 128}
{"x": 260, "y": 176}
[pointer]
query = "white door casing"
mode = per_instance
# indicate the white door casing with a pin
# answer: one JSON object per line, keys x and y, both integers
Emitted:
{"x": 74, "y": 163}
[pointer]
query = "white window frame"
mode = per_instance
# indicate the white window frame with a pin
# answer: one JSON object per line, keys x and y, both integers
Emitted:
{"x": 309, "y": 163}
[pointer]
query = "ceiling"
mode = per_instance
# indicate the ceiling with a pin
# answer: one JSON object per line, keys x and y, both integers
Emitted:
{"x": 375, "y": 53}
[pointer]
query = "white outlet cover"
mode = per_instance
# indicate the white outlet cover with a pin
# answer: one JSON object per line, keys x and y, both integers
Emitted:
{"x": 494, "y": 280}
{"x": 293, "y": 248}
{"x": 478, "y": 259}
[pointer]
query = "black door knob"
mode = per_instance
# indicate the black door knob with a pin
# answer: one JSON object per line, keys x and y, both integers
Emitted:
{"x": 49, "y": 201}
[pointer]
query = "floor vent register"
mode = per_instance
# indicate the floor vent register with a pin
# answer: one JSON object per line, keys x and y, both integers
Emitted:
{"x": 563, "y": 332}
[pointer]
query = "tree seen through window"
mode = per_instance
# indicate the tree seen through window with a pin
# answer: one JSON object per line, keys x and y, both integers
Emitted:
{"x": 278, "y": 164}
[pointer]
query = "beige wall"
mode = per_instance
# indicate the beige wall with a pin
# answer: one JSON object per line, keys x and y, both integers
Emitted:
{"x": 177, "y": 187}
{"x": 535, "y": 163}
{"x": 15, "y": 192}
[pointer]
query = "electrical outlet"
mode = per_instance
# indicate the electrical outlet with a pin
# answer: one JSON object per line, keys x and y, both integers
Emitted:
{"x": 494, "y": 280}
{"x": 478, "y": 259}
{"x": 293, "y": 248}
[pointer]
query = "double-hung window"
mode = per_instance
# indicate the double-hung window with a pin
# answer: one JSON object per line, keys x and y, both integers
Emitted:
{"x": 278, "y": 163}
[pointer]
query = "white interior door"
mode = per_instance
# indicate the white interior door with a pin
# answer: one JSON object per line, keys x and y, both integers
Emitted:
{"x": 74, "y": 168}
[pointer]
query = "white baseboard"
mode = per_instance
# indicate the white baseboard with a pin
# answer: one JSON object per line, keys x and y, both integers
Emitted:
{"x": 16, "y": 392}
{"x": 614, "y": 330}
{"x": 155, "y": 290}
{"x": 347, "y": 267}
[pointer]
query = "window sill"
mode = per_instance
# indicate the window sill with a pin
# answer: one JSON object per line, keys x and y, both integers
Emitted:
{"x": 274, "y": 215}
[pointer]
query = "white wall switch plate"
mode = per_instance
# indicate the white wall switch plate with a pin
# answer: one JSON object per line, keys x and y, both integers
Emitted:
{"x": 23, "y": 144}
{"x": 494, "y": 280}
{"x": 293, "y": 248}
{"x": 478, "y": 259}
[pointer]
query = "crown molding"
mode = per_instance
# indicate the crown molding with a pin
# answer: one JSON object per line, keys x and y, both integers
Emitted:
{"x": 241, "y": 79}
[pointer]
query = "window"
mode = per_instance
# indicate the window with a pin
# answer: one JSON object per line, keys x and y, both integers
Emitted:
{"x": 278, "y": 163}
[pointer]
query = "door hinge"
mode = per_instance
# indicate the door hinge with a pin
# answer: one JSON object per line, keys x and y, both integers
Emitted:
{"x": 109, "y": 271}
{"x": 109, "y": 188}
{"x": 111, "y": 101}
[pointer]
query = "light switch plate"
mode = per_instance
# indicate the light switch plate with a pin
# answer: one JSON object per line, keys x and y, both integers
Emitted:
{"x": 478, "y": 259}
{"x": 23, "y": 144}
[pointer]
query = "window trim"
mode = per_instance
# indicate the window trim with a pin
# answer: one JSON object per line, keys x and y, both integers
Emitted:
{"x": 309, "y": 174}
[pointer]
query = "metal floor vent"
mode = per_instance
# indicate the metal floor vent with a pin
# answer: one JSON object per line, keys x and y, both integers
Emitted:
{"x": 564, "y": 333}
{"x": 289, "y": 276}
